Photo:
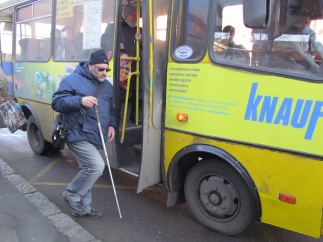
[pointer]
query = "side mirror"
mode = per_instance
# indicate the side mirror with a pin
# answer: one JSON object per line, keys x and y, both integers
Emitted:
{"x": 256, "y": 13}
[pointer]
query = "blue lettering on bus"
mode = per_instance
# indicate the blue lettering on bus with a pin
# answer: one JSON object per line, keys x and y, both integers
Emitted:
{"x": 316, "y": 114}
{"x": 285, "y": 116}
{"x": 301, "y": 122}
{"x": 252, "y": 103}
{"x": 268, "y": 109}
{"x": 284, "y": 112}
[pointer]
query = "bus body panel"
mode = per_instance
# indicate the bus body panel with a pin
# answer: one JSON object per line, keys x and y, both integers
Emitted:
{"x": 44, "y": 113}
{"x": 39, "y": 81}
{"x": 246, "y": 107}
{"x": 265, "y": 169}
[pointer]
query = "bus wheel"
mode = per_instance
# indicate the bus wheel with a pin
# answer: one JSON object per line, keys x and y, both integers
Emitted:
{"x": 219, "y": 198}
{"x": 35, "y": 138}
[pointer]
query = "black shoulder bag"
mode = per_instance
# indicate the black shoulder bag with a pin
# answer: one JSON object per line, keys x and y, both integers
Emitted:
{"x": 61, "y": 129}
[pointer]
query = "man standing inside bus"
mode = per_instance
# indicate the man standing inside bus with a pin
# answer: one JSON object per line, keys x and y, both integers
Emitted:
{"x": 129, "y": 36}
{"x": 75, "y": 93}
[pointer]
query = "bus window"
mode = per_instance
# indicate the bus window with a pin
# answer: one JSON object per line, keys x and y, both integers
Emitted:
{"x": 70, "y": 44}
{"x": 69, "y": 22}
{"x": 80, "y": 28}
{"x": 190, "y": 32}
{"x": 6, "y": 41}
{"x": 33, "y": 24}
{"x": 43, "y": 8}
{"x": 231, "y": 38}
{"x": 290, "y": 44}
{"x": 25, "y": 13}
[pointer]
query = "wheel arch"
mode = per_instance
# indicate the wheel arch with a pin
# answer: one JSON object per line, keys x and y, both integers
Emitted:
{"x": 28, "y": 110}
{"x": 186, "y": 158}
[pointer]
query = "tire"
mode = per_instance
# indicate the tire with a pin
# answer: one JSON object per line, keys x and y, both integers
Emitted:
{"x": 35, "y": 137}
{"x": 219, "y": 198}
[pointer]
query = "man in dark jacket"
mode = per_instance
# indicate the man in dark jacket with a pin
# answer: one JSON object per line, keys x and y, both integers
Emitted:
{"x": 75, "y": 93}
{"x": 129, "y": 36}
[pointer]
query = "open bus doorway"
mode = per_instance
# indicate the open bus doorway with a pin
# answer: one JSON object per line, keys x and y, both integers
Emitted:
{"x": 138, "y": 146}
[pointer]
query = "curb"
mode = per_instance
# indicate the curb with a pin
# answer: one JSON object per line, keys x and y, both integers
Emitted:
{"x": 63, "y": 223}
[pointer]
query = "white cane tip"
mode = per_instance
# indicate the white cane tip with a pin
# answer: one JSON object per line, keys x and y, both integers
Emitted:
{"x": 120, "y": 216}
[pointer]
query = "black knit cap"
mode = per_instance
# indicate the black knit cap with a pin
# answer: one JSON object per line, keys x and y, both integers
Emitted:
{"x": 99, "y": 57}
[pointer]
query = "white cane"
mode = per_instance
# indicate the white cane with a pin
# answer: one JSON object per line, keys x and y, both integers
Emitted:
{"x": 106, "y": 156}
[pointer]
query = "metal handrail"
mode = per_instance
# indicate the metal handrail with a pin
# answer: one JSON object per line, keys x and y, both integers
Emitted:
{"x": 126, "y": 104}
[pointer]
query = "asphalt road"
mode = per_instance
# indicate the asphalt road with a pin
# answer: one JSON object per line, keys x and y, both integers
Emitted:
{"x": 145, "y": 216}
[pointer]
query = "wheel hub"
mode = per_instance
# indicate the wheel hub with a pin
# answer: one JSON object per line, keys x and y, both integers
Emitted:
{"x": 215, "y": 198}
{"x": 218, "y": 196}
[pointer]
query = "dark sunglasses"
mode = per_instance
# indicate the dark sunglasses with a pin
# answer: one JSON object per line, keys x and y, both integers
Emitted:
{"x": 102, "y": 69}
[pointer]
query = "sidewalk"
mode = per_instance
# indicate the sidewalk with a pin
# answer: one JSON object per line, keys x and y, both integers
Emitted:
{"x": 26, "y": 215}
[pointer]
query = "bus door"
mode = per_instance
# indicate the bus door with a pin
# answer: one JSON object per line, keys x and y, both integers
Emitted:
{"x": 6, "y": 54}
{"x": 138, "y": 144}
{"x": 155, "y": 22}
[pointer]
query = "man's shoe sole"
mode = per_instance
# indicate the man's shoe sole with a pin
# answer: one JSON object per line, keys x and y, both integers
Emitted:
{"x": 75, "y": 214}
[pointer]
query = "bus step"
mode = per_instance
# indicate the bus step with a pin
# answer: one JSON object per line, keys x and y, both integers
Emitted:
{"x": 137, "y": 149}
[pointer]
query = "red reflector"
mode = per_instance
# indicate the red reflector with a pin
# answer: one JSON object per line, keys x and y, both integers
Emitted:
{"x": 287, "y": 198}
{"x": 183, "y": 117}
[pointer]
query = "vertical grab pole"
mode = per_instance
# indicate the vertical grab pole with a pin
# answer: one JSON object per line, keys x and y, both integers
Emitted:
{"x": 126, "y": 106}
{"x": 125, "y": 109}
{"x": 137, "y": 64}
{"x": 106, "y": 157}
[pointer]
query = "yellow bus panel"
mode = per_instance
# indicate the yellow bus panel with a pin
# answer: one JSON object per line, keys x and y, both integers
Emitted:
{"x": 272, "y": 172}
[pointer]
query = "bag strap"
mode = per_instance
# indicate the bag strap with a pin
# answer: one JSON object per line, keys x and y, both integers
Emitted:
{"x": 82, "y": 111}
